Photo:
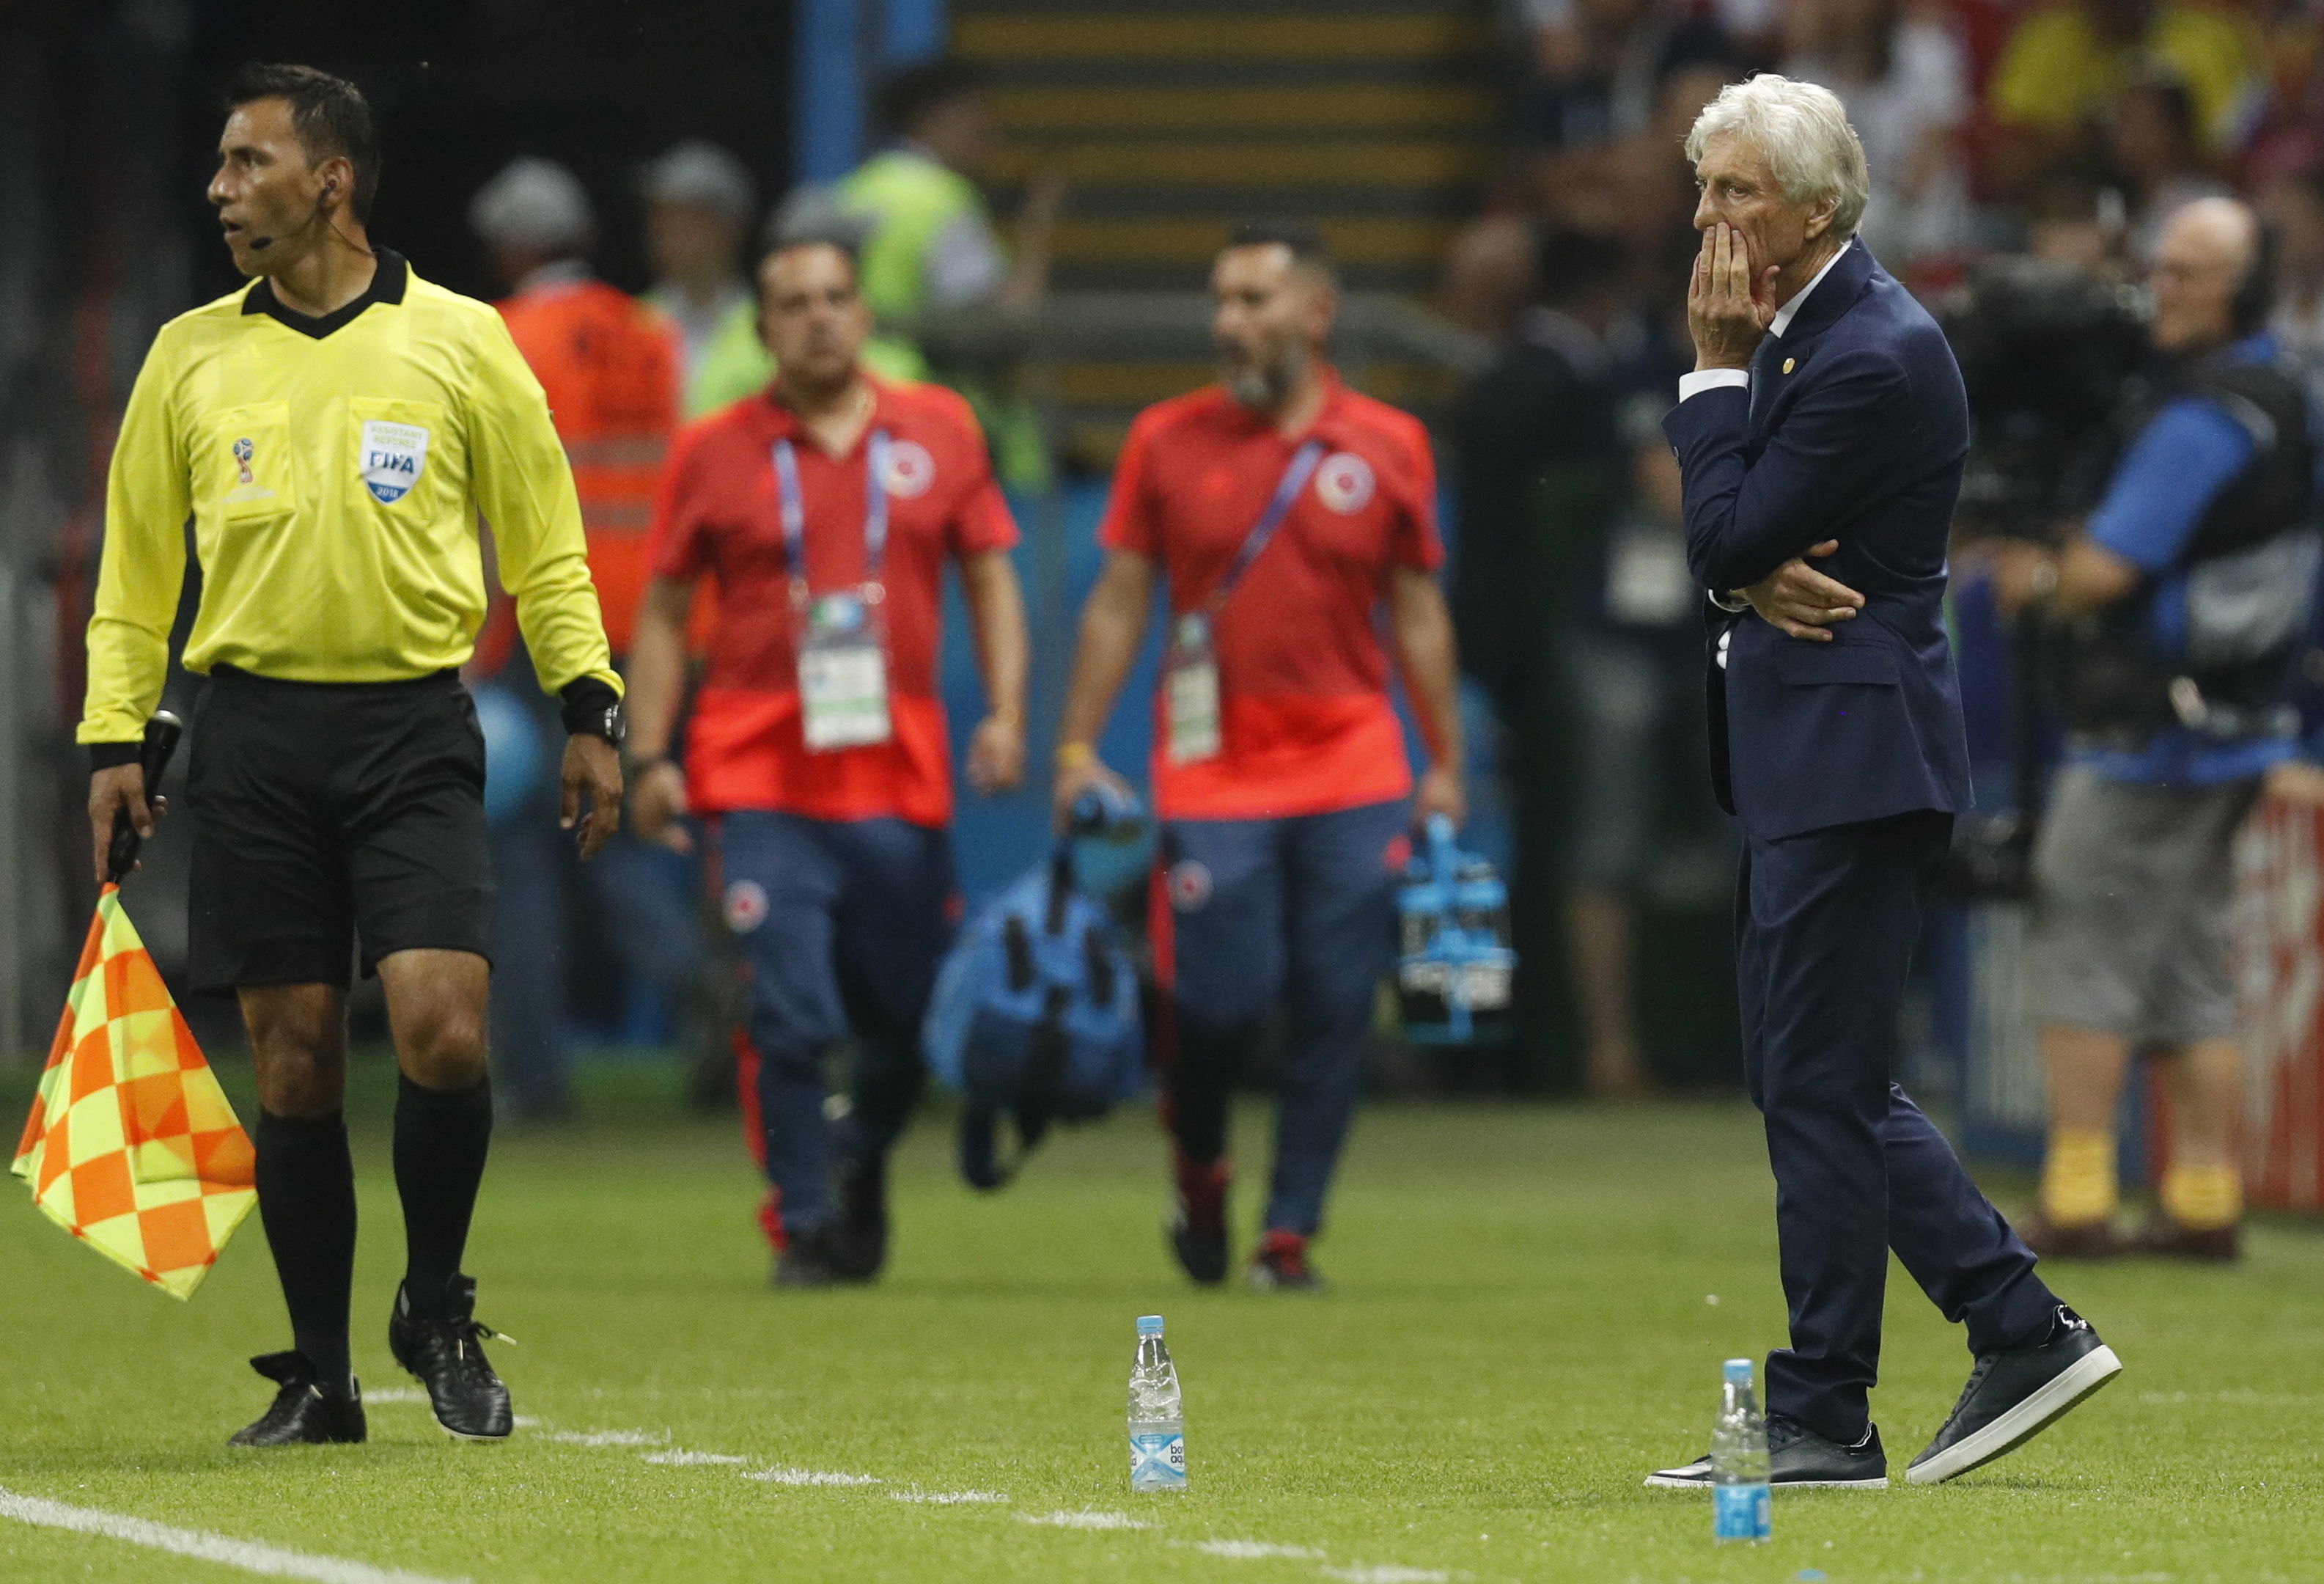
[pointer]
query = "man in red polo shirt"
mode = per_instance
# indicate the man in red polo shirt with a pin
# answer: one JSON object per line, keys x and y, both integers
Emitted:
{"x": 824, "y": 511}
{"x": 1284, "y": 510}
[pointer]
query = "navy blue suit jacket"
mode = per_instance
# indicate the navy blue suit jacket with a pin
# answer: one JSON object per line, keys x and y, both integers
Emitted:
{"x": 1854, "y": 429}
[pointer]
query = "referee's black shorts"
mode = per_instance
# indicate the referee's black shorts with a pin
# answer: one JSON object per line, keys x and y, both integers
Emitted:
{"x": 329, "y": 815}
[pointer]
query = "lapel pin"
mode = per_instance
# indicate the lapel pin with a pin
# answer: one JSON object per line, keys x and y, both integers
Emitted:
{"x": 1789, "y": 364}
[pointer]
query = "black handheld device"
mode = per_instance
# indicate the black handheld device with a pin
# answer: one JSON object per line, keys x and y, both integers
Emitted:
{"x": 161, "y": 734}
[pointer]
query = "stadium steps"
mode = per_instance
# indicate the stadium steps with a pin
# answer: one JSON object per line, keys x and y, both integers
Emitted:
{"x": 1376, "y": 119}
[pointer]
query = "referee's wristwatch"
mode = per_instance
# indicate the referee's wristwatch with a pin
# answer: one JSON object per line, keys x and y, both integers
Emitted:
{"x": 592, "y": 708}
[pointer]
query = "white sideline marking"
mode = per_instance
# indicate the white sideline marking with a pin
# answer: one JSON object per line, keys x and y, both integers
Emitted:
{"x": 1062, "y": 1520}
{"x": 682, "y": 1459}
{"x": 1258, "y": 1549}
{"x": 1359, "y": 1574}
{"x": 947, "y": 1498}
{"x": 809, "y": 1476}
{"x": 395, "y": 1394}
{"x": 249, "y": 1555}
{"x": 608, "y": 1438}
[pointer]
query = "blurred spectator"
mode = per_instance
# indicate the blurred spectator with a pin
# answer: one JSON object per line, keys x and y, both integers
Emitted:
{"x": 1487, "y": 276}
{"x": 935, "y": 268}
{"x": 1904, "y": 79}
{"x": 1599, "y": 72}
{"x": 700, "y": 201}
{"x": 1569, "y": 503}
{"x": 608, "y": 363}
{"x": 2071, "y": 220}
{"x": 609, "y": 366}
{"x": 2181, "y": 609}
{"x": 2294, "y": 206}
{"x": 2154, "y": 150}
{"x": 2070, "y": 59}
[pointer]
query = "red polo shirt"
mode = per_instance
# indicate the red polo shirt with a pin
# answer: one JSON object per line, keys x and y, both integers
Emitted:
{"x": 1308, "y": 724}
{"x": 720, "y": 514}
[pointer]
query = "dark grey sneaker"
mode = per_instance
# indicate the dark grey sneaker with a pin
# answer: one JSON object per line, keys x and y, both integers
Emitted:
{"x": 1797, "y": 1459}
{"x": 446, "y": 1355}
{"x": 304, "y": 1412}
{"x": 2014, "y": 1394}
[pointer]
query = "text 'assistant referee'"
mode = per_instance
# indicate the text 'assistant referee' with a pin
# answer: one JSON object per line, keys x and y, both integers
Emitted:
{"x": 393, "y": 455}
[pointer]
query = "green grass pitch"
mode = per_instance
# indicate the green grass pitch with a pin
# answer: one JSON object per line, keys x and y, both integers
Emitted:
{"x": 1529, "y": 1310}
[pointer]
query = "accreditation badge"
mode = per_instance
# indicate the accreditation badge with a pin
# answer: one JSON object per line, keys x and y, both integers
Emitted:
{"x": 842, "y": 672}
{"x": 1190, "y": 691}
{"x": 393, "y": 455}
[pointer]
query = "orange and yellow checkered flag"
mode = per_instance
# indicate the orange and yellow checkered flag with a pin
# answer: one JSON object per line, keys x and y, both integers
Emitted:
{"x": 132, "y": 1146}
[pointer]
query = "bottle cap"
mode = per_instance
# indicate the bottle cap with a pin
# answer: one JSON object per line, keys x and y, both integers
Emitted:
{"x": 1739, "y": 1372}
{"x": 1149, "y": 1325}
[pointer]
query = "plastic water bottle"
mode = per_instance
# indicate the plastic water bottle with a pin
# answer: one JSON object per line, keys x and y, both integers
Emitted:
{"x": 1157, "y": 1422}
{"x": 1738, "y": 1460}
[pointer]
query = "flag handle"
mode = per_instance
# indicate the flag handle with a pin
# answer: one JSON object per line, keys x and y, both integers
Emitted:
{"x": 162, "y": 734}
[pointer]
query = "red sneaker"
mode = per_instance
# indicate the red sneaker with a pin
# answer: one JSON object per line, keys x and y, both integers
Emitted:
{"x": 1282, "y": 1265}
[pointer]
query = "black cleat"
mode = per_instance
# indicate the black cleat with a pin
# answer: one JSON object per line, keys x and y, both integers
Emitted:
{"x": 1198, "y": 1232}
{"x": 304, "y": 1413}
{"x": 1282, "y": 1265}
{"x": 816, "y": 1257}
{"x": 1798, "y": 1459}
{"x": 857, "y": 1240}
{"x": 2014, "y": 1394}
{"x": 448, "y": 1357}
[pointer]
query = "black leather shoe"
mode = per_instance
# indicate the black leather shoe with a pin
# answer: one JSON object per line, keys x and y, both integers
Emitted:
{"x": 304, "y": 1413}
{"x": 446, "y": 1355}
{"x": 2015, "y": 1394}
{"x": 858, "y": 1239}
{"x": 1798, "y": 1459}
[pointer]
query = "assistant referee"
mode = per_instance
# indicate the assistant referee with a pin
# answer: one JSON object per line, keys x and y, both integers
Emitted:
{"x": 335, "y": 431}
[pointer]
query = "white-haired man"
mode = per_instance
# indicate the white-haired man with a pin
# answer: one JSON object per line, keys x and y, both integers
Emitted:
{"x": 1826, "y": 418}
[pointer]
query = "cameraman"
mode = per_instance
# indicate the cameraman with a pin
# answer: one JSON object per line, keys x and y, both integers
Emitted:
{"x": 2177, "y": 611}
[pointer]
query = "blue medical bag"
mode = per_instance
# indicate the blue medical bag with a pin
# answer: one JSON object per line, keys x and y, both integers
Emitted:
{"x": 1035, "y": 1016}
{"x": 1455, "y": 967}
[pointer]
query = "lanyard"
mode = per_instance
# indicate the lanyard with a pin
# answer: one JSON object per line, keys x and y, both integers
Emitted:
{"x": 1303, "y": 463}
{"x": 794, "y": 508}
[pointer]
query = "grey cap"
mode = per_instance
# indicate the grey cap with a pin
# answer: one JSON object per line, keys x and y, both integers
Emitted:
{"x": 533, "y": 203}
{"x": 811, "y": 212}
{"x": 699, "y": 173}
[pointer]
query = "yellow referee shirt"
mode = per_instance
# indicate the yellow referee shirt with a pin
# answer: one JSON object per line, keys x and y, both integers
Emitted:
{"x": 335, "y": 468}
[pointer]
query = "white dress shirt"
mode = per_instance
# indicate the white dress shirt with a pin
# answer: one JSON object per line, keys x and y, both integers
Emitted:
{"x": 1711, "y": 379}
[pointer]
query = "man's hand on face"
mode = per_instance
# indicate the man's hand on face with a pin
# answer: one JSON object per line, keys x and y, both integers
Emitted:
{"x": 1801, "y": 602}
{"x": 1728, "y": 309}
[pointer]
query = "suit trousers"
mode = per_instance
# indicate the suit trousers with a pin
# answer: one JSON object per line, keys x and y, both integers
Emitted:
{"x": 1825, "y": 925}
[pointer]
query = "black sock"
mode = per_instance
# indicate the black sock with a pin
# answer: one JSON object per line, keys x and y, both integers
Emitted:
{"x": 440, "y": 1139}
{"x": 307, "y": 1201}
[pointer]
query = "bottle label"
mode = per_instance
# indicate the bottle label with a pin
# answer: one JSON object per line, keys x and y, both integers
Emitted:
{"x": 1739, "y": 1512}
{"x": 1157, "y": 1460}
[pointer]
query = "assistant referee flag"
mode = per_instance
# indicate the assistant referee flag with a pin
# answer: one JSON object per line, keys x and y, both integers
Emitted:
{"x": 334, "y": 469}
